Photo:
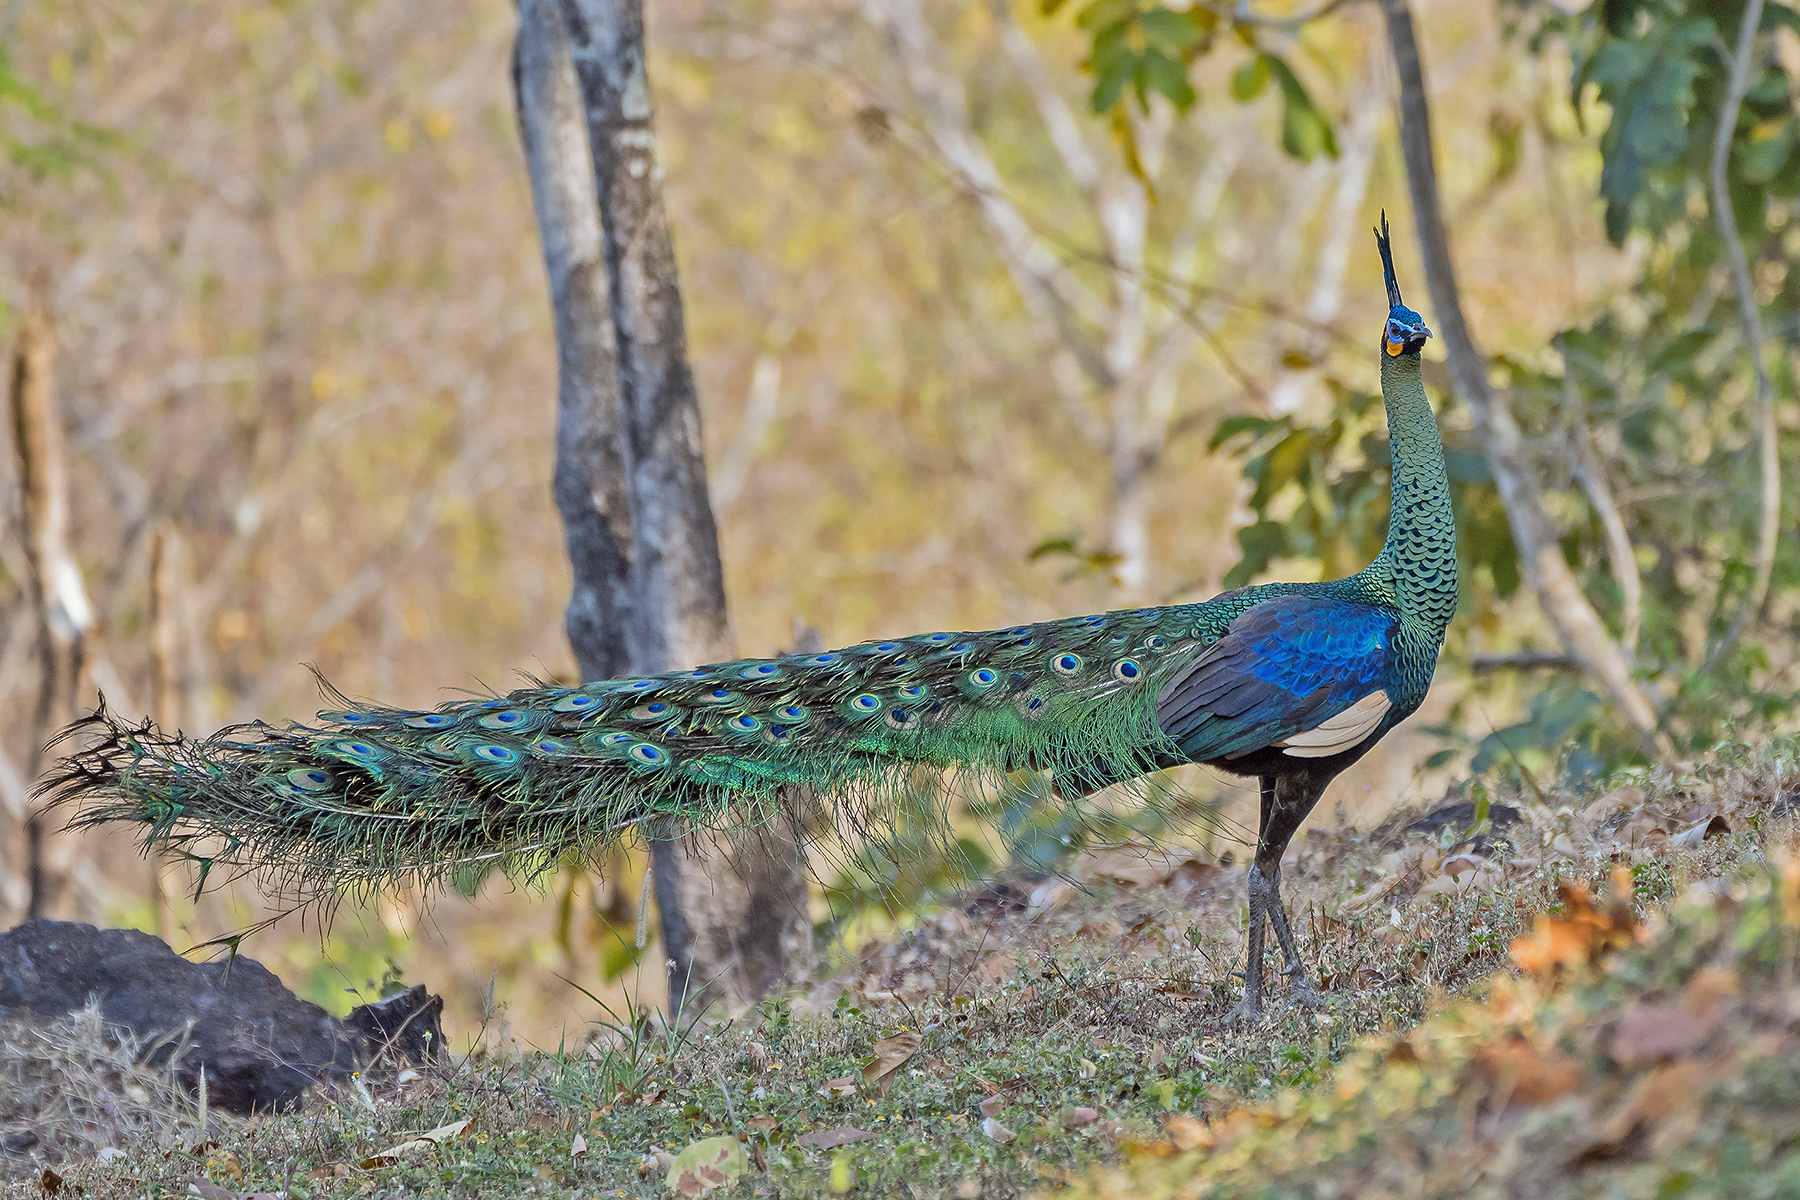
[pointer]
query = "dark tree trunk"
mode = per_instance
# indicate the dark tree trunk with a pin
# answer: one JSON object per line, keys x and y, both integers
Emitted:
{"x": 592, "y": 473}
{"x": 680, "y": 587}
{"x": 631, "y": 478}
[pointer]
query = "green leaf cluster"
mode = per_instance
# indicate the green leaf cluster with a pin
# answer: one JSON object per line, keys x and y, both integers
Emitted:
{"x": 1142, "y": 48}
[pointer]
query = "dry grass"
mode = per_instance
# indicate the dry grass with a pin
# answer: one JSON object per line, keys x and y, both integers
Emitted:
{"x": 76, "y": 1087}
{"x": 1080, "y": 1014}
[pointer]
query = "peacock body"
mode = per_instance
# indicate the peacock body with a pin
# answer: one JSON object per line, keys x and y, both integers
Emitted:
{"x": 1288, "y": 683}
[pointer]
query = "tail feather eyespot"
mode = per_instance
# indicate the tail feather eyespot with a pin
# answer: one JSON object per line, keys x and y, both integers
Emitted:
{"x": 575, "y": 702}
{"x": 510, "y": 719}
{"x": 1066, "y": 664}
{"x": 430, "y": 721}
{"x": 310, "y": 779}
{"x": 1126, "y": 670}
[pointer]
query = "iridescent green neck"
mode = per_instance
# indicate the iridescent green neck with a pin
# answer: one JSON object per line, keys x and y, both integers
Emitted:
{"x": 1420, "y": 554}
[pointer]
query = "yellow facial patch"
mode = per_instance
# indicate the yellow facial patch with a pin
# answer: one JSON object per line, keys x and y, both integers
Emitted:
{"x": 1393, "y": 348}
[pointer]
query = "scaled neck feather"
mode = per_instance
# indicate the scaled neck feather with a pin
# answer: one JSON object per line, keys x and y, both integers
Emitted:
{"x": 1420, "y": 553}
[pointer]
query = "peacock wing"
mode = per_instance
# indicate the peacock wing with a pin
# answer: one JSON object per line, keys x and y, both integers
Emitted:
{"x": 1306, "y": 674}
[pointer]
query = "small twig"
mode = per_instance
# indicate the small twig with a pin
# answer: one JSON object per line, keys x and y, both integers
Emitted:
{"x": 1530, "y": 782}
{"x": 1592, "y": 476}
{"x": 1527, "y": 661}
{"x": 1751, "y": 316}
{"x": 1242, "y": 15}
{"x": 730, "y": 1109}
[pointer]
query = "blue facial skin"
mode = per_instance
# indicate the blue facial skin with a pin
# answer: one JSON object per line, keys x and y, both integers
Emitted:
{"x": 1405, "y": 332}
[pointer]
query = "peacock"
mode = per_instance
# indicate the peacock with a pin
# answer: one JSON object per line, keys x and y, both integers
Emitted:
{"x": 1284, "y": 683}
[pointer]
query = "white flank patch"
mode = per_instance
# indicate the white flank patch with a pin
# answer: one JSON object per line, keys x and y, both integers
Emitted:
{"x": 1336, "y": 734}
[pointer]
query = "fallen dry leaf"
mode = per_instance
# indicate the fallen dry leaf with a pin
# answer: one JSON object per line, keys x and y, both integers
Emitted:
{"x": 578, "y": 1147}
{"x": 706, "y": 1165}
{"x": 1188, "y": 1133}
{"x": 414, "y": 1147}
{"x": 1080, "y": 1118}
{"x": 996, "y": 968}
{"x": 993, "y": 1105}
{"x": 831, "y": 1139}
{"x": 763, "y": 1123}
{"x": 1624, "y": 797}
{"x": 1651, "y": 1031}
{"x": 996, "y": 1130}
{"x": 1656, "y": 1096}
{"x": 1142, "y": 865}
{"x": 1515, "y": 1071}
{"x": 1583, "y": 932}
{"x": 843, "y": 1085}
{"x": 656, "y": 1160}
{"x": 1692, "y": 833}
{"x": 890, "y": 1054}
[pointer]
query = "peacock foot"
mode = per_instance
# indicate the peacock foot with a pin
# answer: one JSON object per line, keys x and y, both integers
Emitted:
{"x": 1247, "y": 1013}
{"x": 1304, "y": 995}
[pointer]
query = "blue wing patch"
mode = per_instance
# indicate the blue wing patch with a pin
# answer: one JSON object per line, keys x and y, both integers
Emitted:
{"x": 1283, "y": 667}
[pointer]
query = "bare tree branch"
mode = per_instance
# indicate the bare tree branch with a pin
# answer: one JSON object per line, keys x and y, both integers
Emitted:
{"x": 1592, "y": 476}
{"x": 1751, "y": 315}
{"x": 1054, "y": 109}
{"x": 1045, "y": 284}
{"x": 54, "y": 583}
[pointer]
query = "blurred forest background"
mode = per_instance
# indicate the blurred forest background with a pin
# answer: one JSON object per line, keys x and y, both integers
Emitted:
{"x": 999, "y": 312}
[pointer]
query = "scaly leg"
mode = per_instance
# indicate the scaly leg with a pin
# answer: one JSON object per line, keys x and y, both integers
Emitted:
{"x": 1249, "y": 1010}
{"x": 1301, "y": 990}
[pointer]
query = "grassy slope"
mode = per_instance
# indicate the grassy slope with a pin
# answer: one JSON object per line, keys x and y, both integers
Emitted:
{"x": 1052, "y": 998}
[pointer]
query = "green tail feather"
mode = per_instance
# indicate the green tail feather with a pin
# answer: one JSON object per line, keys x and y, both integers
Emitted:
{"x": 375, "y": 795}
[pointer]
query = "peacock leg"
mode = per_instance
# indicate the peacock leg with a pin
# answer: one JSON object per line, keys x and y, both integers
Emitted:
{"x": 1249, "y": 1010}
{"x": 1301, "y": 990}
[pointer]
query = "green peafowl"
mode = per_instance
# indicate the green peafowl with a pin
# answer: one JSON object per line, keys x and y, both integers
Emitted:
{"x": 1285, "y": 683}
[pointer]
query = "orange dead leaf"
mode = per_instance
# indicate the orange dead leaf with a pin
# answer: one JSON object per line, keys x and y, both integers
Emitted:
{"x": 1515, "y": 1071}
{"x": 1583, "y": 932}
{"x": 891, "y": 1054}
{"x": 1655, "y": 1097}
{"x": 1188, "y": 1133}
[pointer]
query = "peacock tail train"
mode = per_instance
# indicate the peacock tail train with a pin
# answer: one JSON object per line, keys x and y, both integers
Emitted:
{"x": 1278, "y": 680}
{"x": 371, "y": 795}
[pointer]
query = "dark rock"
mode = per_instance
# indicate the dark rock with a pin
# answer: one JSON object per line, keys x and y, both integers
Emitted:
{"x": 408, "y": 1025}
{"x": 259, "y": 1045}
{"x": 1460, "y": 816}
{"x": 1454, "y": 815}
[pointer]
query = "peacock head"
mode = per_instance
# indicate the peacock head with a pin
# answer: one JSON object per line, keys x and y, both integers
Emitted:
{"x": 1405, "y": 331}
